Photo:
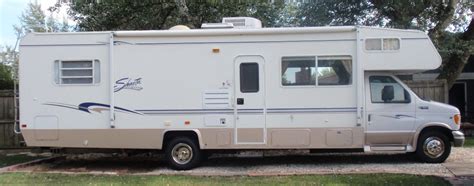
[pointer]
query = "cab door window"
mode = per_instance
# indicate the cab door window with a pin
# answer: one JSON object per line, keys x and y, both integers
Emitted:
{"x": 384, "y": 89}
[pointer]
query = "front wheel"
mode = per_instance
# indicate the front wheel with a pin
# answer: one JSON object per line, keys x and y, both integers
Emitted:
{"x": 182, "y": 153}
{"x": 433, "y": 147}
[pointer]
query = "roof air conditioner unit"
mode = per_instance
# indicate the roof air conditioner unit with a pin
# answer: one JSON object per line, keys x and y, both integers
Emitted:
{"x": 243, "y": 22}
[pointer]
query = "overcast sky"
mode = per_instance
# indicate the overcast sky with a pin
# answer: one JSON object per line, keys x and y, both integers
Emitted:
{"x": 11, "y": 10}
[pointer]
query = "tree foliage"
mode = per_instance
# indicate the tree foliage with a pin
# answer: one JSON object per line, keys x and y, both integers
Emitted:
{"x": 33, "y": 19}
{"x": 336, "y": 13}
{"x": 155, "y": 15}
{"x": 448, "y": 22}
{"x": 7, "y": 59}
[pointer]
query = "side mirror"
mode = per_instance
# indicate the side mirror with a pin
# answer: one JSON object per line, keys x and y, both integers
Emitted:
{"x": 387, "y": 93}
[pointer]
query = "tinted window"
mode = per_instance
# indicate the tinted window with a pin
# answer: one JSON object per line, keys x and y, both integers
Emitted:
{"x": 298, "y": 71}
{"x": 249, "y": 77}
{"x": 334, "y": 71}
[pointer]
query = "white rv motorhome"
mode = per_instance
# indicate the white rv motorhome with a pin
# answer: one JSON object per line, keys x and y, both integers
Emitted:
{"x": 238, "y": 86}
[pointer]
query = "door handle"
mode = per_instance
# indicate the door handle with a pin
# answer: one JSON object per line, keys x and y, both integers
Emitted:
{"x": 240, "y": 101}
{"x": 424, "y": 107}
{"x": 369, "y": 117}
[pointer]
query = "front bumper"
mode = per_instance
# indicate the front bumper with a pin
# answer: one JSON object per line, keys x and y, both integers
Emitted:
{"x": 458, "y": 138}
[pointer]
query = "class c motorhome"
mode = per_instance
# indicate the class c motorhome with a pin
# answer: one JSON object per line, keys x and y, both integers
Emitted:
{"x": 239, "y": 86}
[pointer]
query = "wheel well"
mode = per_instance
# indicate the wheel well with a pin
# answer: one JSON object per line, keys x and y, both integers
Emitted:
{"x": 442, "y": 130}
{"x": 169, "y": 135}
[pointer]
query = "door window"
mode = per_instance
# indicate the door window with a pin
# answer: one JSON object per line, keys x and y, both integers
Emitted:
{"x": 384, "y": 89}
{"x": 249, "y": 77}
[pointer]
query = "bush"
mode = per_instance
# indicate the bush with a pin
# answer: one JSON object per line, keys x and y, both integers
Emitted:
{"x": 6, "y": 78}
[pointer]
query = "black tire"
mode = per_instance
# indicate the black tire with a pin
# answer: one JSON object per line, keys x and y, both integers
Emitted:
{"x": 433, "y": 139}
{"x": 188, "y": 146}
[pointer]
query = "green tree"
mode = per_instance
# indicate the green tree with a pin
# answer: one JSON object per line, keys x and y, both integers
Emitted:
{"x": 336, "y": 13}
{"x": 435, "y": 16}
{"x": 33, "y": 19}
{"x": 432, "y": 16}
{"x": 155, "y": 15}
{"x": 8, "y": 57}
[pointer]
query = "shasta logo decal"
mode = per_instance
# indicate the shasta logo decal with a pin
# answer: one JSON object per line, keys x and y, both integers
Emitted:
{"x": 128, "y": 83}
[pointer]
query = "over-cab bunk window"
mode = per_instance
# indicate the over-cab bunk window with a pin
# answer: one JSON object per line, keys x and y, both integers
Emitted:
{"x": 77, "y": 72}
{"x": 382, "y": 44}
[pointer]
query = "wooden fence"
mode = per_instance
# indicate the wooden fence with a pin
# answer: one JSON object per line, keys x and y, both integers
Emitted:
{"x": 436, "y": 90}
{"x": 8, "y": 138}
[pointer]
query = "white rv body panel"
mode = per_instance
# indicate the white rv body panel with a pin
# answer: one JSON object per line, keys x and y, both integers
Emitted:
{"x": 189, "y": 80}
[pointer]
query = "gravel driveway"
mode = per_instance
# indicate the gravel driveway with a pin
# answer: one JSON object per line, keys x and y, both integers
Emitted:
{"x": 225, "y": 165}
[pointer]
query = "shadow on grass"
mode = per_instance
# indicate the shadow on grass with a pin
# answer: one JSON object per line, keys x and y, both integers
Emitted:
{"x": 7, "y": 160}
{"x": 146, "y": 164}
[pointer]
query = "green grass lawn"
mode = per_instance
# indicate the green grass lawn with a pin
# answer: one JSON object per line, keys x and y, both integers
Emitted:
{"x": 469, "y": 142}
{"x": 15, "y": 159}
{"x": 82, "y": 179}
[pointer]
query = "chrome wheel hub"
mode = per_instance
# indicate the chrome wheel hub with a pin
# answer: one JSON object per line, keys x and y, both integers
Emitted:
{"x": 182, "y": 153}
{"x": 433, "y": 147}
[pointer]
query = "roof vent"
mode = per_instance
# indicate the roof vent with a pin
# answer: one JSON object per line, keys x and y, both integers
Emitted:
{"x": 216, "y": 25}
{"x": 243, "y": 22}
{"x": 179, "y": 27}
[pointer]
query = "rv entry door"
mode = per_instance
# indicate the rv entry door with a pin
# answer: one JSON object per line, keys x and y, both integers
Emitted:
{"x": 249, "y": 92}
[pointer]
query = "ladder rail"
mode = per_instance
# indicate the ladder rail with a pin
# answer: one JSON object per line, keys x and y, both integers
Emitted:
{"x": 16, "y": 98}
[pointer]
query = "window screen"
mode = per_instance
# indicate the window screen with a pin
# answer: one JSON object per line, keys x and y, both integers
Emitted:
{"x": 77, "y": 72}
{"x": 334, "y": 71}
{"x": 298, "y": 71}
{"x": 373, "y": 44}
{"x": 391, "y": 44}
{"x": 249, "y": 77}
{"x": 385, "y": 44}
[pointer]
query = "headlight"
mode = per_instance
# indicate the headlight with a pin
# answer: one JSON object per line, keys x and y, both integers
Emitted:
{"x": 457, "y": 119}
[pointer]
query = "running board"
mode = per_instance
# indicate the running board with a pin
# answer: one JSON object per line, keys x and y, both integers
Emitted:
{"x": 406, "y": 148}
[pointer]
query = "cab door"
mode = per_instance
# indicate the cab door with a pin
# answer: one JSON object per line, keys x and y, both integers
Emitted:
{"x": 249, "y": 100}
{"x": 390, "y": 111}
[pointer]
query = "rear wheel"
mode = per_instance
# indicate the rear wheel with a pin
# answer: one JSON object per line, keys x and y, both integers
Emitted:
{"x": 433, "y": 147}
{"x": 183, "y": 153}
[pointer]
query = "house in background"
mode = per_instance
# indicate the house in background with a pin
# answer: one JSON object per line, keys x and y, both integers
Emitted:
{"x": 461, "y": 93}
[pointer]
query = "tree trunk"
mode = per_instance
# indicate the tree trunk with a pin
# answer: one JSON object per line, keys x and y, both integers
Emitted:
{"x": 452, "y": 68}
{"x": 445, "y": 18}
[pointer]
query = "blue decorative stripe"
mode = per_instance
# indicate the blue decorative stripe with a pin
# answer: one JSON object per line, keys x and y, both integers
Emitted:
{"x": 310, "y": 110}
{"x": 85, "y": 107}
{"x": 76, "y": 44}
{"x": 193, "y": 109}
{"x": 200, "y": 111}
{"x": 230, "y": 42}
{"x": 398, "y": 116}
{"x": 333, "y": 108}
